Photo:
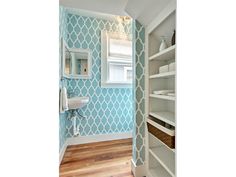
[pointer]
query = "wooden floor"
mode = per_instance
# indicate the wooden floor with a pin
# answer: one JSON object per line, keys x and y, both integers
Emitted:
{"x": 103, "y": 159}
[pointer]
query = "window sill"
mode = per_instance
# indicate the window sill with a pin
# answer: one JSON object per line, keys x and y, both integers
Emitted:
{"x": 116, "y": 84}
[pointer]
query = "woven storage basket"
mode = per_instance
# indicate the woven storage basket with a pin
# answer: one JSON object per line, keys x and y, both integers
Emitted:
{"x": 162, "y": 136}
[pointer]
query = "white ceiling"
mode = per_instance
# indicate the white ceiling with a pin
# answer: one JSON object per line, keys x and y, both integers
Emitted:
{"x": 115, "y": 7}
{"x": 142, "y": 10}
{"x": 145, "y": 10}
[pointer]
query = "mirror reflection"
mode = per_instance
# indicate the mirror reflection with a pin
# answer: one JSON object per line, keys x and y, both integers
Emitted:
{"x": 77, "y": 63}
{"x": 67, "y": 62}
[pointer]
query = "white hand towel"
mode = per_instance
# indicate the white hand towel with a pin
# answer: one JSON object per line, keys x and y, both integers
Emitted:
{"x": 63, "y": 100}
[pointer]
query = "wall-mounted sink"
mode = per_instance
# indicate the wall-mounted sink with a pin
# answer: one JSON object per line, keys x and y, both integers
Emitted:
{"x": 77, "y": 102}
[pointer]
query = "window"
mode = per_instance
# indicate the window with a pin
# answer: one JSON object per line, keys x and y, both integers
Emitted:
{"x": 116, "y": 64}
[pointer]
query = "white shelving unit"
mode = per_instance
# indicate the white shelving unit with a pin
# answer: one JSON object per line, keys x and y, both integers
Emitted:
{"x": 163, "y": 75}
{"x": 165, "y": 158}
{"x": 165, "y": 54}
{"x": 164, "y": 97}
{"x": 160, "y": 108}
{"x": 163, "y": 129}
{"x": 156, "y": 169}
{"x": 158, "y": 172}
{"x": 167, "y": 117}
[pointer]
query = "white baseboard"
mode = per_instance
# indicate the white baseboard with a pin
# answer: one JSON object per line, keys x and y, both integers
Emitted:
{"x": 138, "y": 171}
{"x": 62, "y": 151}
{"x": 93, "y": 139}
{"x": 98, "y": 138}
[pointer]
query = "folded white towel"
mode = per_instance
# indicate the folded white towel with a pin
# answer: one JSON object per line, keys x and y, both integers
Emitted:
{"x": 63, "y": 100}
{"x": 171, "y": 94}
{"x": 163, "y": 92}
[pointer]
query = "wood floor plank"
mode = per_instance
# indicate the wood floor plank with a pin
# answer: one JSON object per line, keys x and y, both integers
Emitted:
{"x": 101, "y": 159}
{"x": 96, "y": 152}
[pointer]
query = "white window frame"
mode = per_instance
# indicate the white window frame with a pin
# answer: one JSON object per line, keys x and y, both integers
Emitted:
{"x": 127, "y": 68}
{"x": 105, "y": 83}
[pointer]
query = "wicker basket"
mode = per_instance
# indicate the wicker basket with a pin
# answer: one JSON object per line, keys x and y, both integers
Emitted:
{"x": 162, "y": 136}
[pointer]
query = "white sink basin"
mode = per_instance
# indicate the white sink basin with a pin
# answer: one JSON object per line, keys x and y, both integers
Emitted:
{"x": 77, "y": 102}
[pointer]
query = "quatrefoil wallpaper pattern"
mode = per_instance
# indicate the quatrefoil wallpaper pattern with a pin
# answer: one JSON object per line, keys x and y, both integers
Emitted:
{"x": 139, "y": 114}
{"x": 62, "y": 34}
{"x": 110, "y": 110}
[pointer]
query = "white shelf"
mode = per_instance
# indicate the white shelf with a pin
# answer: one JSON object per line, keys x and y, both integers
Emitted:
{"x": 158, "y": 172}
{"x": 163, "y": 75}
{"x": 167, "y": 117}
{"x": 160, "y": 157}
{"x": 164, "y": 97}
{"x": 165, "y": 157}
{"x": 159, "y": 142}
{"x": 170, "y": 132}
{"x": 166, "y": 54}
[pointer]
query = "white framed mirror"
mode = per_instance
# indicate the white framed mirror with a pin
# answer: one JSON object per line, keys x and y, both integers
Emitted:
{"x": 76, "y": 62}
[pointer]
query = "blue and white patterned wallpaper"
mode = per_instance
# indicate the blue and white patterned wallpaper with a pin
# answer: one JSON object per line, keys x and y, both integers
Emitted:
{"x": 139, "y": 115}
{"x": 110, "y": 110}
{"x": 62, "y": 117}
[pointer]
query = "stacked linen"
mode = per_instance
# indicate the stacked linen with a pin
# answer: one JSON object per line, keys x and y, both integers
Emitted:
{"x": 165, "y": 92}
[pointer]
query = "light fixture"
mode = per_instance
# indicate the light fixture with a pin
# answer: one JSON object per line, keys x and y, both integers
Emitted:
{"x": 122, "y": 21}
